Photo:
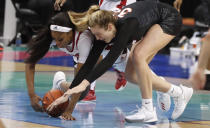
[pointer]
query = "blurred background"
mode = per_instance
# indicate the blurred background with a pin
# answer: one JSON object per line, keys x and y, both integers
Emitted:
{"x": 37, "y": 12}
{"x": 20, "y": 20}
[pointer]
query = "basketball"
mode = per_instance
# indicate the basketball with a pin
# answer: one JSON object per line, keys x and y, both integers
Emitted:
{"x": 51, "y": 96}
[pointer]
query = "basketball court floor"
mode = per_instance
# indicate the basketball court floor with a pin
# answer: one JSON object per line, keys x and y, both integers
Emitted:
{"x": 110, "y": 106}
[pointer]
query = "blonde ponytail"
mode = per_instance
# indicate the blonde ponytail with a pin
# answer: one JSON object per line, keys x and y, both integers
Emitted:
{"x": 101, "y": 18}
{"x": 80, "y": 20}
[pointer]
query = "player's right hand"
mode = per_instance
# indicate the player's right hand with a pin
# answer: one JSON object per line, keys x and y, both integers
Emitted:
{"x": 35, "y": 103}
{"x": 67, "y": 116}
{"x": 58, "y": 4}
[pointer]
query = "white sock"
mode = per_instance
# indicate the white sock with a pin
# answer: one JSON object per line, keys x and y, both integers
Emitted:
{"x": 174, "y": 91}
{"x": 92, "y": 86}
{"x": 147, "y": 103}
{"x": 58, "y": 84}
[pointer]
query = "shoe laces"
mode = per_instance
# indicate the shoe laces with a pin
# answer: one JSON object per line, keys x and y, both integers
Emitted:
{"x": 136, "y": 110}
{"x": 179, "y": 99}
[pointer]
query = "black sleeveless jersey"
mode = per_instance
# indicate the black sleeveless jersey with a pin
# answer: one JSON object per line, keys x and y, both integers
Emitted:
{"x": 145, "y": 15}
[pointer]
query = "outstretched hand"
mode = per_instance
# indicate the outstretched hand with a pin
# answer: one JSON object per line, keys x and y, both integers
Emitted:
{"x": 78, "y": 89}
{"x": 58, "y": 4}
{"x": 35, "y": 103}
{"x": 57, "y": 102}
{"x": 67, "y": 116}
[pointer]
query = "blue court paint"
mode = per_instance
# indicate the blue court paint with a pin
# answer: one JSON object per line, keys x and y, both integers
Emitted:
{"x": 104, "y": 113}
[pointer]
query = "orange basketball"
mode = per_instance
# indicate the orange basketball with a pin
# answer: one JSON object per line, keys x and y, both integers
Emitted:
{"x": 51, "y": 96}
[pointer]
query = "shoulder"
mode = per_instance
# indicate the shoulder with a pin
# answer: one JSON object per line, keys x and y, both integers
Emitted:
{"x": 129, "y": 21}
{"x": 85, "y": 40}
{"x": 87, "y": 33}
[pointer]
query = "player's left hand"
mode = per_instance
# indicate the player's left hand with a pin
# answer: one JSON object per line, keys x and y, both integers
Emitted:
{"x": 177, "y": 4}
{"x": 58, "y": 101}
{"x": 67, "y": 116}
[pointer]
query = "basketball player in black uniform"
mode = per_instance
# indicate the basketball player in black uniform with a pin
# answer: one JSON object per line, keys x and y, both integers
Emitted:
{"x": 153, "y": 25}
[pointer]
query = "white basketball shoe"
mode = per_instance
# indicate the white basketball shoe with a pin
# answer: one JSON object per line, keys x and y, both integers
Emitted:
{"x": 142, "y": 115}
{"x": 181, "y": 101}
{"x": 59, "y": 77}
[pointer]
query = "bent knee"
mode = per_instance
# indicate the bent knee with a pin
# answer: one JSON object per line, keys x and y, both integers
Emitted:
{"x": 138, "y": 56}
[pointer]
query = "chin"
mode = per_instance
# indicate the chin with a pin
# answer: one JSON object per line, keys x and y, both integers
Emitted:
{"x": 107, "y": 41}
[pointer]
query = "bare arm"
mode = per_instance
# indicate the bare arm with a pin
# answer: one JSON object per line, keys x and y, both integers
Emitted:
{"x": 198, "y": 79}
{"x": 67, "y": 115}
{"x": 78, "y": 89}
{"x": 74, "y": 97}
{"x": 29, "y": 74}
{"x": 79, "y": 84}
{"x": 70, "y": 92}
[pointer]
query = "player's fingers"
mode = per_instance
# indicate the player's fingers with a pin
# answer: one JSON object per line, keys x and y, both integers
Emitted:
{"x": 68, "y": 117}
{"x": 71, "y": 118}
{"x": 58, "y": 1}
{"x": 51, "y": 106}
{"x": 178, "y": 7}
{"x": 63, "y": 117}
{"x": 56, "y": 7}
{"x": 37, "y": 108}
{"x": 62, "y": 3}
{"x": 39, "y": 98}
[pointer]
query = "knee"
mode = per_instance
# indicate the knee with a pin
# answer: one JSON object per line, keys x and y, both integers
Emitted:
{"x": 138, "y": 56}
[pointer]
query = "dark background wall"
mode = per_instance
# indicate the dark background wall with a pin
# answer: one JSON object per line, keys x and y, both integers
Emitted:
{"x": 187, "y": 9}
{"x": 2, "y": 4}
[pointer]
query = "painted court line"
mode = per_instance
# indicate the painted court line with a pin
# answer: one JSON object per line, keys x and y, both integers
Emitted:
{"x": 8, "y": 123}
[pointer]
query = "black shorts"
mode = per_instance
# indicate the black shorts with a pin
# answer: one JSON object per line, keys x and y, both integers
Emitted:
{"x": 170, "y": 19}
